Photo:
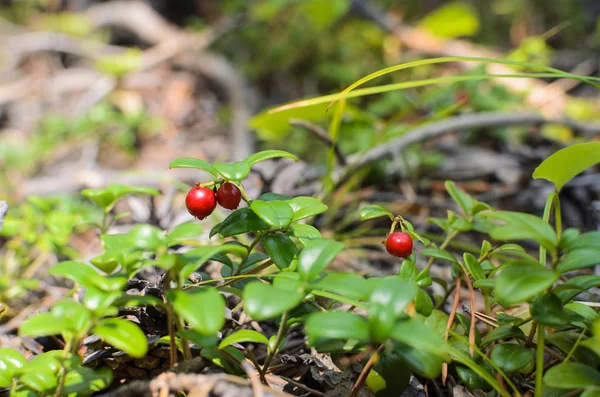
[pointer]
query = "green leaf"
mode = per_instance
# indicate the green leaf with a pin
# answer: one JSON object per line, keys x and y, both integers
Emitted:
{"x": 503, "y": 332}
{"x": 386, "y": 303}
{"x": 464, "y": 201}
{"x": 351, "y": 285}
{"x": 305, "y": 233}
{"x": 188, "y": 162}
{"x": 42, "y": 380}
{"x": 579, "y": 259}
{"x": 233, "y": 171}
{"x": 408, "y": 271}
{"x": 571, "y": 376}
{"x": 336, "y": 325}
{"x": 316, "y": 256}
{"x": 374, "y": 211}
{"x": 591, "y": 392}
{"x": 146, "y": 237}
{"x": 422, "y": 362}
{"x": 511, "y": 357}
{"x": 521, "y": 280}
{"x": 243, "y": 335}
{"x": 548, "y": 310}
{"x": 579, "y": 284}
{"x": 123, "y": 335}
{"x": 10, "y": 361}
{"x": 452, "y": 20}
{"x": 241, "y": 221}
{"x": 423, "y": 303}
{"x": 204, "y": 310}
{"x": 471, "y": 379}
{"x": 107, "y": 197}
{"x": 586, "y": 240}
{"x": 272, "y": 127}
{"x": 268, "y": 154}
{"x": 82, "y": 381}
{"x": 439, "y": 254}
{"x": 521, "y": 226}
{"x": 281, "y": 249}
{"x": 414, "y": 333}
{"x": 43, "y": 324}
{"x": 305, "y": 207}
{"x": 277, "y": 214}
{"x": 78, "y": 272}
{"x": 565, "y": 164}
{"x": 473, "y": 266}
{"x": 262, "y": 301}
{"x": 199, "y": 255}
{"x": 184, "y": 232}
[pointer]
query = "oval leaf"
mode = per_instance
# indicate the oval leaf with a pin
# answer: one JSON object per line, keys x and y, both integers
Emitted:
{"x": 123, "y": 335}
{"x": 184, "y": 232}
{"x": 316, "y": 256}
{"x": 277, "y": 214}
{"x": 268, "y": 154}
{"x": 262, "y": 301}
{"x": 521, "y": 280}
{"x": 511, "y": 357}
{"x": 233, "y": 171}
{"x": 374, "y": 211}
{"x": 336, "y": 325}
{"x": 521, "y": 226}
{"x": 203, "y": 310}
{"x": 572, "y": 376}
{"x": 241, "y": 221}
{"x": 281, "y": 249}
{"x": 243, "y": 335}
{"x": 565, "y": 164}
{"x": 351, "y": 285}
{"x": 305, "y": 207}
{"x": 43, "y": 324}
{"x": 188, "y": 162}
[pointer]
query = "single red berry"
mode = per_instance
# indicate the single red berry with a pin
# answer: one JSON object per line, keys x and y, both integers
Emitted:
{"x": 399, "y": 244}
{"x": 200, "y": 202}
{"x": 229, "y": 196}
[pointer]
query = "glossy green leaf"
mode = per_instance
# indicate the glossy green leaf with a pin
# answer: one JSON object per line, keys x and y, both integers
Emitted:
{"x": 146, "y": 237}
{"x": 268, "y": 154}
{"x": 43, "y": 324}
{"x": 351, "y": 285}
{"x": 100, "y": 302}
{"x": 571, "y": 376}
{"x": 586, "y": 240}
{"x": 473, "y": 266}
{"x": 184, "y": 232}
{"x": 439, "y": 254}
{"x": 511, "y": 357}
{"x": 591, "y": 392}
{"x": 336, "y": 325}
{"x": 78, "y": 272}
{"x": 548, "y": 310}
{"x": 422, "y": 362}
{"x": 241, "y": 221}
{"x": 464, "y": 201}
{"x": 188, "y": 162}
{"x": 521, "y": 280}
{"x": 243, "y": 335}
{"x": 507, "y": 331}
{"x": 581, "y": 347}
{"x": 273, "y": 126}
{"x": 305, "y": 233}
{"x": 416, "y": 334}
{"x": 199, "y": 255}
{"x": 10, "y": 361}
{"x": 423, "y": 303}
{"x": 124, "y": 335}
{"x": 579, "y": 259}
{"x": 565, "y": 164}
{"x": 579, "y": 284}
{"x": 277, "y": 214}
{"x": 260, "y": 304}
{"x": 305, "y": 207}
{"x": 471, "y": 379}
{"x": 107, "y": 197}
{"x": 281, "y": 249}
{"x": 408, "y": 271}
{"x": 386, "y": 303}
{"x": 316, "y": 256}
{"x": 520, "y": 226}
{"x": 42, "y": 380}
{"x": 233, "y": 171}
{"x": 82, "y": 381}
{"x": 204, "y": 310}
{"x": 374, "y": 211}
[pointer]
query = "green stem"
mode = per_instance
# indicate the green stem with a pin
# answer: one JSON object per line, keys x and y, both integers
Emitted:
{"x": 546, "y": 218}
{"x": 557, "y": 216}
{"x": 339, "y": 298}
{"x": 245, "y": 196}
{"x": 283, "y": 328}
{"x": 445, "y": 243}
{"x": 539, "y": 362}
{"x": 187, "y": 352}
{"x": 572, "y": 351}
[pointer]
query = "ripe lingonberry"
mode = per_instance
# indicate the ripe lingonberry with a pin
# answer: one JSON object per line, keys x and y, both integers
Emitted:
{"x": 399, "y": 244}
{"x": 229, "y": 196}
{"x": 200, "y": 202}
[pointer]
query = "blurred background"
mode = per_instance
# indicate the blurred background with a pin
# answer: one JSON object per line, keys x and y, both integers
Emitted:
{"x": 98, "y": 92}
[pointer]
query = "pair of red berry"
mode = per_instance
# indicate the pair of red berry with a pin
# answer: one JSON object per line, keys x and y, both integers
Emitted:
{"x": 399, "y": 244}
{"x": 202, "y": 201}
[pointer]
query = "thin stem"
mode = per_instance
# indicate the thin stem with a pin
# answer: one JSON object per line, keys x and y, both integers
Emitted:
{"x": 170, "y": 323}
{"x": 245, "y": 196}
{"x": 539, "y": 362}
{"x": 187, "y": 352}
{"x": 575, "y": 345}
{"x": 449, "y": 326}
{"x": 444, "y": 244}
{"x": 546, "y": 218}
{"x": 374, "y": 359}
{"x": 557, "y": 216}
{"x": 281, "y": 332}
{"x": 63, "y": 374}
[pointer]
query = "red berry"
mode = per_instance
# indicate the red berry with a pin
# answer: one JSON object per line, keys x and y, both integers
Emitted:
{"x": 200, "y": 202}
{"x": 399, "y": 244}
{"x": 229, "y": 196}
